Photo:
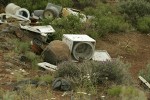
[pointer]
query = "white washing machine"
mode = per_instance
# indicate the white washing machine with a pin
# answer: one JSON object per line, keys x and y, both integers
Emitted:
{"x": 80, "y": 45}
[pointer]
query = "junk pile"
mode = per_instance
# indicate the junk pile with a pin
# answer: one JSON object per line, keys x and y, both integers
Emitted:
{"x": 55, "y": 11}
{"x": 73, "y": 47}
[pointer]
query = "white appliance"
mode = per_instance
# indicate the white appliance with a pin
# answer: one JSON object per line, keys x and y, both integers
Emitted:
{"x": 81, "y": 45}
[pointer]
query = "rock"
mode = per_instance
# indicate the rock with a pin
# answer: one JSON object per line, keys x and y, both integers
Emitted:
{"x": 56, "y": 52}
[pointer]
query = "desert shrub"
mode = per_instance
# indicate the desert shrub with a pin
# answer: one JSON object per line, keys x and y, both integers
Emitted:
{"x": 31, "y": 4}
{"x": 67, "y": 25}
{"x": 86, "y": 3}
{"x": 68, "y": 69}
{"x": 114, "y": 91}
{"x": 113, "y": 71}
{"x": 4, "y": 2}
{"x": 45, "y": 78}
{"x": 19, "y": 46}
{"x": 110, "y": 24}
{"x": 95, "y": 72}
{"x": 145, "y": 73}
{"x": 64, "y": 3}
{"x": 133, "y": 9}
{"x": 143, "y": 24}
{"x": 33, "y": 58}
{"x": 126, "y": 93}
{"x": 107, "y": 19}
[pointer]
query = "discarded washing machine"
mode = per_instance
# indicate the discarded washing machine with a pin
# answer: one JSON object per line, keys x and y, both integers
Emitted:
{"x": 13, "y": 9}
{"x": 81, "y": 46}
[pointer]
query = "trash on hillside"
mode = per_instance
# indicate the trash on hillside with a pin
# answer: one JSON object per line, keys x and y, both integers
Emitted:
{"x": 42, "y": 30}
{"x": 55, "y": 11}
{"x": 47, "y": 66}
{"x": 4, "y": 17}
{"x": 17, "y": 11}
{"x": 37, "y": 14}
{"x": 101, "y": 55}
{"x": 55, "y": 52}
{"x": 81, "y": 46}
{"x": 61, "y": 84}
{"x": 144, "y": 81}
{"x": 69, "y": 11}
{"x": 52, "y": 11}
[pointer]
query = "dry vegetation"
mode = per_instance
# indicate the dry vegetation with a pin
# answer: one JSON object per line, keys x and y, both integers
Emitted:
{"x": 118, "y": 28}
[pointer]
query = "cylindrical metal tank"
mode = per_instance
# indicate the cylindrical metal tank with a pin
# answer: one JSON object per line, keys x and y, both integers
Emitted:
{"x": 13, "y": 9}
{"x": 56, "y": 52}
{"x": 52, "y": 11}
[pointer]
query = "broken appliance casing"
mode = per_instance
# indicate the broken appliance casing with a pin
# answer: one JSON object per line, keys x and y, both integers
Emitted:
{"x": 80, "y": 45}
{"x": 44, "y": 31}
{"x": 16, "y": 10}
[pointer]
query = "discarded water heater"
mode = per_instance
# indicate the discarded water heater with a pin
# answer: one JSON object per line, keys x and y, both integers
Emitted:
{"x": 16, "y": 10}
{"x": 81, "y": 46}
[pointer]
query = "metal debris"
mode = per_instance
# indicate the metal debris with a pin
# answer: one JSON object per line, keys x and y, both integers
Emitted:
{"x": 43, "y": 30}
{"x": 48, "y": 66}
{"x": 101, "y": 55}
{"x": 144, "y": 81}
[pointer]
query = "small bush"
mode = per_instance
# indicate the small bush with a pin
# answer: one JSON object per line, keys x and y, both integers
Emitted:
{"x": 145, "y": 73}
{"x": 67, "y": 25}
{"x": 126, "y": 93}
{"x": 33, "y": 58}
{"x": 114, "y": 91}
{"x": 68, "y": 69}
{"x": 110, "y": 24}
{"x": 45, "y": 78}
{"x": 19, "y": 46}
{"x": 133, "y": 9}
{"x": 111, "y": 71}
{"x": 31, "y": 4}
{"x": 143, "y": 24}
{"x": 107, "y": 19}
{"x": 95, "y": 72}
{"x": 63, "y": 3}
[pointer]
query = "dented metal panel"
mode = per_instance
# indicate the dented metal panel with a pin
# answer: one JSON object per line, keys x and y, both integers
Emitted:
{"x": 43, "y": 30}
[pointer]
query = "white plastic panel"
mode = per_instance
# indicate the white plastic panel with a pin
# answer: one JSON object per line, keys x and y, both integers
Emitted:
{"x": 101, "y": 55}
{"x": 79, "y": 37}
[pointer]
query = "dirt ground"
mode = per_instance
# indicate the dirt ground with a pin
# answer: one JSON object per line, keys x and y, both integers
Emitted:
{"x": 130, "y": 47}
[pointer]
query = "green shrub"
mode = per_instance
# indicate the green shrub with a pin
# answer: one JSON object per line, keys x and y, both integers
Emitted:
{"x": 45, "y": 78}
{"x": 67, "y": 25}
{"x": 110, "y": 24}
{"x": 133, "y": 9}
{"x": 111, "y": 71}
{"x": 95, "y": 72}
{"x": 107, "y": 19}
{"x": 19, "y": 46}
{"x": 33, "y": 58}
{"x": 31, "y": 4}
{"x": 145, "y": 73}
{"x": 126, "y": 93}
{"x": 68, "y": 69}
{"x": 114, "y": 91}
{"x": 64, "y": 3}
{"x": 132, "y": 93}
{"x": 143, "y": 24}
